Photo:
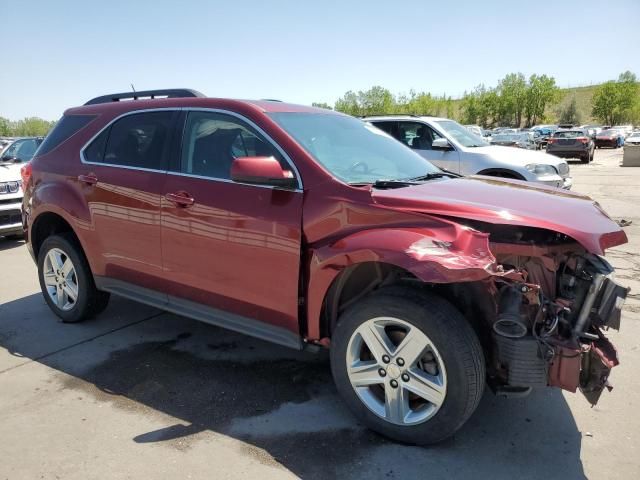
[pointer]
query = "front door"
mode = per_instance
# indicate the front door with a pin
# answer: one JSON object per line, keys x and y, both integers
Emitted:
{"x": 419, "y": 137}
{"x": 229, "y": 246}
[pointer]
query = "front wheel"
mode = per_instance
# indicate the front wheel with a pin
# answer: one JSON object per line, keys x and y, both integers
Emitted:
{"x": 408, "y": 365}
{"x": 66, "y": 280}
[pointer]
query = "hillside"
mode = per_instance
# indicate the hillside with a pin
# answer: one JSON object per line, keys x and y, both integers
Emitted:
{"x": 583, "y": 100}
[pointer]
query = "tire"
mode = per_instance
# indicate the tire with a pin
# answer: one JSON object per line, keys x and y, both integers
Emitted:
{"x": 53, "y": 263}
{"x": 585, "y": 159}
{"x": 451, "y": 361}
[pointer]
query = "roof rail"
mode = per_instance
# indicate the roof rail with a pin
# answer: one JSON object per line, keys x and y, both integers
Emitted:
{"x": 166, "y": 93}
{"x": 397, "y": 115}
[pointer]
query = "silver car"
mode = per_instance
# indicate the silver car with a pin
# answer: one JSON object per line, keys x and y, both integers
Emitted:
{"x": 453, "y": 147}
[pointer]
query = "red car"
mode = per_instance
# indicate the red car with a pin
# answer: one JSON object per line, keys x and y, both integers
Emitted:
{"x": 609, "y": 138}
{"x": 306, "y": 227}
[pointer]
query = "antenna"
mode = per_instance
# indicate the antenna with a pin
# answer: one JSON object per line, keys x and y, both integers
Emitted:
{"x": 133, "y": 88}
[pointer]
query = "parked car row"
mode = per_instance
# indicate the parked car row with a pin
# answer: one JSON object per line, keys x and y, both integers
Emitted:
{"x": 307, "y": 227}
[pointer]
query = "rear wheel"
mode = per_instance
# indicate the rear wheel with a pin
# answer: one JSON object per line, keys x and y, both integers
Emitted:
{"x": 66, "y": 280}
{"x": 408, "y": 365}
{"x": 585, "y": 158}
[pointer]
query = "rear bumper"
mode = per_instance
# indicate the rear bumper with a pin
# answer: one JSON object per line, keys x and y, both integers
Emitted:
{"x": 569, "y": 153}
{"x": 607, "y": 143}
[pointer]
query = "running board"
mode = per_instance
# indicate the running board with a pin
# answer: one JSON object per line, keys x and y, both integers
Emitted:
{"x": 203, "y": 313}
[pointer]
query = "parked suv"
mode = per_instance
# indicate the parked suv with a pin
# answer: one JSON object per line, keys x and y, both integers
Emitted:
{"x": 573, "y": 143}
{"x": 449, "y": 145}
{"x": 11, "y": 160}
{"x": 307, "y": 227}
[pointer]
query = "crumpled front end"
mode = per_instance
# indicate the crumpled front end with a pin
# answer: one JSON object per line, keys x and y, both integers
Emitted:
{"x": 550, "y": 324}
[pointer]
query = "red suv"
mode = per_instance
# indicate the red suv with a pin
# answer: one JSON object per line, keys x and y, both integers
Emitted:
{"x": 303, "y": 226}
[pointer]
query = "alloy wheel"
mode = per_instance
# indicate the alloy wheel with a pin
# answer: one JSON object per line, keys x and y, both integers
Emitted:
{"x": 396, "y": 371}
{"x": 60, "y": 279}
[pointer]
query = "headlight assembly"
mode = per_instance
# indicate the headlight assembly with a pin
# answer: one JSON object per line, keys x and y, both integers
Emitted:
{"x": 541, "y": 170}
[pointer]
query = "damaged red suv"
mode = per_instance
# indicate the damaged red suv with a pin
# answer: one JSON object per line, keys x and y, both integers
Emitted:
{"x": 305, "y": 227}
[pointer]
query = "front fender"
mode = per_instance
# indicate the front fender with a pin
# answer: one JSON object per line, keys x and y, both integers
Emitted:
{"x": 448, "y": 254}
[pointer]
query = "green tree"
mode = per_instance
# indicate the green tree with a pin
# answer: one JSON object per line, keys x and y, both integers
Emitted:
{"x": 513, "y": 95}
{"x": 348, "y": 104}
{"x": 616, "y": 102}
{"x": 32, "y": 127}
{"x": 541, "y": 91}
{"x": 5, "y": 127}
{"x": 322, "y": 105}
{"x": 569, "y": 113}
{"x": 376, "y": 101}
{"x": 604, "y": 102}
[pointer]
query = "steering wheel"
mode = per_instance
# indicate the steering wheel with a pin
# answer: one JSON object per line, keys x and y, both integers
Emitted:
{"x": 365, "y": 167}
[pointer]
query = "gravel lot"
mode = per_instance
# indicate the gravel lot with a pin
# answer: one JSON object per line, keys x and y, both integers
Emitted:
{"x": 140, "y": 392}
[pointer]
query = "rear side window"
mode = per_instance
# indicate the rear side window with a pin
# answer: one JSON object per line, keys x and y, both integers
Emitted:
{"x": 95, "y": 151}
{"x": 66, "y": 127}
{"x": 137, "y": 140}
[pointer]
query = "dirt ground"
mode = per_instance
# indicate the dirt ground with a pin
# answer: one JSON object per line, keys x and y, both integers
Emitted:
{"x": 138, "y": 392}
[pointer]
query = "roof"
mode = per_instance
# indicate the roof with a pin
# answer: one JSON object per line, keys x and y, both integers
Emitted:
{"x": 404, "y": 117}
{"x": 265, "y": 106}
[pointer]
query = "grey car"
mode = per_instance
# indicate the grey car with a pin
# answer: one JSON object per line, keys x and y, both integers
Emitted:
{"x": 573, "y": 143}
{"x": 453, "y": 147}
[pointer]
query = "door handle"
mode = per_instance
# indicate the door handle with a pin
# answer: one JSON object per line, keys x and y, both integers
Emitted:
{"x": 181, "y": 199}
{"x": 90, "y": 179}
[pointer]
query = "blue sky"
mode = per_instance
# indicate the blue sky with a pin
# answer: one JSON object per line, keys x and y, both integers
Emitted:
{"x": 61, "y": 53}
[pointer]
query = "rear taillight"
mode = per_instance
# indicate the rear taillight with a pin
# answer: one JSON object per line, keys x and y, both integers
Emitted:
{"x": 551, "y": 140}
{"x": 25, "y": 173}
{"x": 582, "y": 139}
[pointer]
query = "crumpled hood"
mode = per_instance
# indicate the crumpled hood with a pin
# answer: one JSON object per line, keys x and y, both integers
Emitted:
{"x": 510, "y": 202}
{"x": 10, "y": 172}
{"x": 518, "y": 156}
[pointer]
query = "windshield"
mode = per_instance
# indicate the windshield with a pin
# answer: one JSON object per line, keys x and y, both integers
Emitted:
{"x": 20, "y": 150}
{"x": 608, "y": 132}
{"x": 461, "y": 134}
{"x": 352, "y": 150}
{"x": 569, "y": 134}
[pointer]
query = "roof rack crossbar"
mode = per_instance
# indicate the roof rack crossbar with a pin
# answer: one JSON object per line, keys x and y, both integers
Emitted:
{"x": 166, "y": 93}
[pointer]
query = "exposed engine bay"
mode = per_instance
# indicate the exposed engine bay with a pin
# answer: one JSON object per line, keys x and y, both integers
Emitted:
{"x": 552, "y": 312}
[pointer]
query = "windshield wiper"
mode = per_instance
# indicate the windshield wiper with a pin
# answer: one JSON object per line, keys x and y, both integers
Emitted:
{"x": 382, "y": 183}
{"x": 432, "y": 175}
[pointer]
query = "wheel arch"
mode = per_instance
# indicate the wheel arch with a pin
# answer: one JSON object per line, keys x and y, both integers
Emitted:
{"x": 358, "y": 264}
{"x": 46, "y": 224}
{"x": 501, "y": 173}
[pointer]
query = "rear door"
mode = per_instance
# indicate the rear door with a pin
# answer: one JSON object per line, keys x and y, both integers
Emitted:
{"x": 232, "y": 247}
{"x": 123, "y": 173}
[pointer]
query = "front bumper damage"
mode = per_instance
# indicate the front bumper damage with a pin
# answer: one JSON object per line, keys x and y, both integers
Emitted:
{"x": 550, "y": 327}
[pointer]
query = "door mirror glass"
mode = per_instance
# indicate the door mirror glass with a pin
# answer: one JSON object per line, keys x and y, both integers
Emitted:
{"x": 261, "y": 171}
{"x": 441, "y": 144}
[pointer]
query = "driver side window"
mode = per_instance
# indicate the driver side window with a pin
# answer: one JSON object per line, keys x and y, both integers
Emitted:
{"x": 416, "y": 135}
{"x": 212, "y": 141}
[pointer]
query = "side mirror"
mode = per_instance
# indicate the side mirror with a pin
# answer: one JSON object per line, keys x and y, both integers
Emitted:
{"x": 441, "y": 144}
{"x": 262, "y": 171}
